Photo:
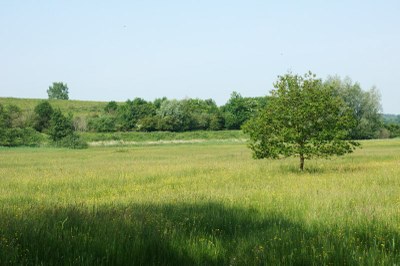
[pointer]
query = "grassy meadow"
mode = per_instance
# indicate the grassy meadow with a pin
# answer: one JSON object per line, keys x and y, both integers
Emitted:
{"x": 205, "y": 203}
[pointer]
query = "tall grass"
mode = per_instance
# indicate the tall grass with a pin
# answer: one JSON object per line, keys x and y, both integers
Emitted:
{"x": 207, "y": 204}
{"x": 126, "y": 137}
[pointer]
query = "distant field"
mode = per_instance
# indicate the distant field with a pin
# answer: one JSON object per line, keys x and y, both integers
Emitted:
{"x": 77, "y": 108}
{"x": 206, "y": 203}
{"x": 129, "y": 138}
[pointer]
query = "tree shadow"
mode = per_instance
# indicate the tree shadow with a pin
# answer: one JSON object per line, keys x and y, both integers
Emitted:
{"x": 326, "y": 167}
{"x": 182, "y": 234}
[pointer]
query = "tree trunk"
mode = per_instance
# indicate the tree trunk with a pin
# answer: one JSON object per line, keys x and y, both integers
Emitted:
{"x": 301, "y": 162}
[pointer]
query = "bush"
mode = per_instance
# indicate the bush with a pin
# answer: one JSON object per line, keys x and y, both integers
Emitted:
{"x": 102, "y": 124}
{"x": 72, "y": 141}
{"x": 60, "y": 126}
{"x": 43, "y": 113}
{"x": 111, "y": 107}
{"x": 12, "y": 137}
{"x": 148, "y": 124}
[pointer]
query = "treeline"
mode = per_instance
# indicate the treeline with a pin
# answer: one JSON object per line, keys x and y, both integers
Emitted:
{"x": 17, "y": 128}
{"x": 45, "y": 122}
{"x": 392, "y": 125}
{"x": 173, "y": 115}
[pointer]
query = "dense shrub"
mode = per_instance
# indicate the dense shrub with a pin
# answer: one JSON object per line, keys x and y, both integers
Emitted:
{"x": 60, "y": 126}
{"x": 132, "y": 111}
{"x": 12, "y": 137}
{"x": 13, "y": 131}
{"x": 43, "y": 113}
{"x": 216, "y": 122}
{"x": 72, "y": 141}
{"x": 148, "y": 124}
{"x": 111, "y": 107}
{"x": 62, "y": 134}
{"x": 102, "y": 124}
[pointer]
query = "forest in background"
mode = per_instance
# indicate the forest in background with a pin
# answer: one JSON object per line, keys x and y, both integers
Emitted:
{"x": 30, "y": 121}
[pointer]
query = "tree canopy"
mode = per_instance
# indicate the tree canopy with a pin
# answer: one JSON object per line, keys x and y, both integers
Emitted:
{"x": 58, "y": 90}
{"x": 365, "y": 106}
{"x": 303, "y": 118}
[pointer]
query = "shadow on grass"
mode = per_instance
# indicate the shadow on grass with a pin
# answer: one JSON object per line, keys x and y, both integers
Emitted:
{"x": 323, "y": 168}
{"x": 183, "y": 234}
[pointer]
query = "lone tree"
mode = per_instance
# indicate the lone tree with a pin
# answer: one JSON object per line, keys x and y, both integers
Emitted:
{"x": 303, "y": 118}
{"x": 58, "y": 90}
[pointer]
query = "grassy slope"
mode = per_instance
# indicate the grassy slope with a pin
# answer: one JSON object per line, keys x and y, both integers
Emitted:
{"x": 198, "y": 204}
{"x": 77, "y": 108}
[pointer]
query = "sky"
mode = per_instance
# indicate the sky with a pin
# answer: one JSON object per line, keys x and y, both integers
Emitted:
{"x": 119, "y": 50}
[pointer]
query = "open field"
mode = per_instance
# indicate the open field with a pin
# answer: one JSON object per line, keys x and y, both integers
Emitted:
{"x": 202, "y": 203}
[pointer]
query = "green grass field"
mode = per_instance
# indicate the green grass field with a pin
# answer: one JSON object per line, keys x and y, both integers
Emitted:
{"x": 206, "y": 203}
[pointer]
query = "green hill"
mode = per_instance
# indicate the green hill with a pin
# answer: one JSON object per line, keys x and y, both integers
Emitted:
{"x": 76, "y": 107}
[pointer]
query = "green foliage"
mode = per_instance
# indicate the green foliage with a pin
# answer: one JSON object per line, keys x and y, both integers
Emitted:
{"x": 132, "y": 111}
{"x": 189, "y": 114}
{"x": 102, "y": 124}
{"x": 393, "y": 130}
{"x": 148, "y": 124}
{"x": 72, "y": 141}
{"x": 302, "y": 118}
{"x": 111, "y": 107}
{"x": 4, "y": 117}
{"x": 157, "y": 102}
{"x": 239, "y": 109}
{"x": 11, "y": 116}
{"x": 365, "y": 106}
{"x": 216, "y": 122}
{"x": 43, "y": 113}
{"x": 60, "y": 126}
{"x": 58, "y": 91}
{"x": 193, "y": 114}
{"x": 172, "y": 116}
{"x": 391, "y": 119}
{"x": 62, "y": 133}
{"x": 200, "y": 114}
{"x": 12, "y": 137}
{"x": 13, "y": 131}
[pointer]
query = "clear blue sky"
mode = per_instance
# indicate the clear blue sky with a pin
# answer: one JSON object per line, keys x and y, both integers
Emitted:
{"x": 119, "y": 50}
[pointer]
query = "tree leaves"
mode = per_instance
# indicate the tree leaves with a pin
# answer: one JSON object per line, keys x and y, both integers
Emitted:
{"x": 303, "y": 118}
